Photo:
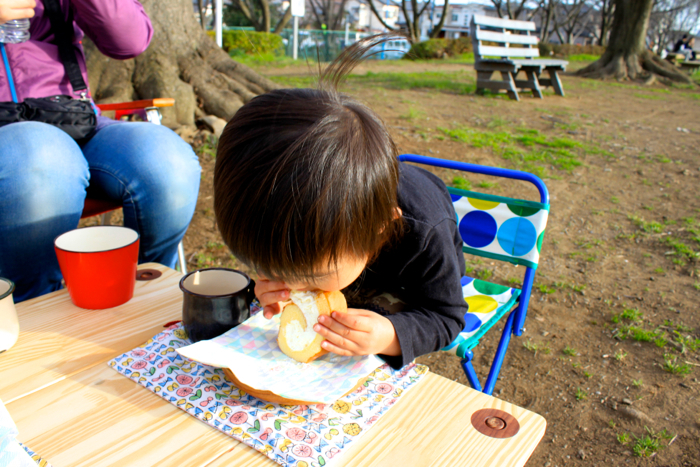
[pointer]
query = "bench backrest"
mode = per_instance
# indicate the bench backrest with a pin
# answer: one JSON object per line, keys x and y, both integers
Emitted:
{"x": 504, "y": 32}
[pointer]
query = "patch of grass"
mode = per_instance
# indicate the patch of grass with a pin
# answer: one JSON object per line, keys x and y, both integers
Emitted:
{"x": 459, "y": 82}
{"x": 649, "y": 96}
{"x": 268, "y": 59}
{"x": 637, "y": 383}
{"x": 687, "y": 342}
{"x": 649, "y": 227}
{"x": 615, "y": 200}
{"x": 651, "y": 443}
{"x": 659, "y": 270}
{"x": 645, "y": 446}
{"x": 628, "y": 314}
{"x": 536, "y": 348}
{"x": 620, "y": 355}
{"x": 208, "y": 146}
{"x": 680, "y": 248}
{"x": 295, "y": 81}
{"x": 580, "y": 394}
{"x": 484, "y": 274}
{"x": 639, "y": 334}
{"x": 583, "y": 58}
{"x": 570, "y": 351}
{"x": 568, "y": 285}
{"x": 545, "y": 290}
{"x": 515, "y": 281}
{"x": 527, "y": 150}
{"x": 486, "y": 184}
{"x": 623, "y": 438}
{"x": 672, "y": 366}
{"x": 461, "y": 183}
{"x": 497, "y": 122}
{"x": 412, "y": 114}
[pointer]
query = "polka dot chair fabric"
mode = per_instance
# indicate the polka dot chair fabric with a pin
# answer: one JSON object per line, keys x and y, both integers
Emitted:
{"x": 487, "y": 304}
{"x": 500, "y": 228}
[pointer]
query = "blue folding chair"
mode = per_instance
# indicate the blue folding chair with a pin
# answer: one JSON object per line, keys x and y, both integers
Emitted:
{"x": 498, "y": 228}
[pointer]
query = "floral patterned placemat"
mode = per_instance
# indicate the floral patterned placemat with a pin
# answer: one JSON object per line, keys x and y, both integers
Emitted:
{"x": 41, "y": 462}
{"x": 299, "y": 436}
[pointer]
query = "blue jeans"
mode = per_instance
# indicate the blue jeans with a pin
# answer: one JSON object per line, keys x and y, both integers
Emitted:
{"x": 44, "y": 175}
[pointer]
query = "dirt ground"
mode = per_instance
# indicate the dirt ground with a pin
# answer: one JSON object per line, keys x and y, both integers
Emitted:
{"x": 610, "y": 355}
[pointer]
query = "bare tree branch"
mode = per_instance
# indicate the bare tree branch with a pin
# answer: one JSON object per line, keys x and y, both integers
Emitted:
{"x": 379, "y": 17}
{"x": 438, "y": 27}
{"x": 284, "y": 20}
{"x": 246, "y": 10}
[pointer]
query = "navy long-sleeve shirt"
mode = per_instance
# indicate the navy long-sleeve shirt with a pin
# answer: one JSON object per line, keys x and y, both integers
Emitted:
{"x": 423, "y": 269}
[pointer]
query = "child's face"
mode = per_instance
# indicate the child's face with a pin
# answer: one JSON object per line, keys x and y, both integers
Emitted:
{"x": 348, "y": 269}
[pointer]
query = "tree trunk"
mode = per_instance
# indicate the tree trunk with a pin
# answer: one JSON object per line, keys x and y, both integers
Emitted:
{"x": 626, "y": 56}
{"x": 438, "y": 27}
{"x": 182, "y": 62}
{"x": 606, "y": 12}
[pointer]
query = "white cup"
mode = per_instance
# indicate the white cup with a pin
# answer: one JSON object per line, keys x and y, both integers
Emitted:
{"x": 9, "y": 325}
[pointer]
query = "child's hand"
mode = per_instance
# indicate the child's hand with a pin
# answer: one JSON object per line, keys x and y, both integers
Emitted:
{"x": 272, "y": 296}
{"x": 358, "y": 332}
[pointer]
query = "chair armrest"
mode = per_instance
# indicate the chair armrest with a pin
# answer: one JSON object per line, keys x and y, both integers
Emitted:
{"x": 144, "y": 104}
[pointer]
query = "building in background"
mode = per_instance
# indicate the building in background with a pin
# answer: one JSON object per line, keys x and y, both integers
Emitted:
{"x": 361, "y": 18}
{"x": 455, "y": 26}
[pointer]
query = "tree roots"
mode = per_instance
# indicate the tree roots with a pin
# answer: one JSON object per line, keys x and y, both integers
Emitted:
{"x": 646, "y": 67}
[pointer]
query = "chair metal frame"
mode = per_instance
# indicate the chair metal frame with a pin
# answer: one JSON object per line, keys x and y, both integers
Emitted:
{"x": 515, "y": 323}
{"x": 149, "y": 111}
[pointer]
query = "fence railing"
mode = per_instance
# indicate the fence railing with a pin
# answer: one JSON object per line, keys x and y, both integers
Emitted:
{"x": 315, "y": 44}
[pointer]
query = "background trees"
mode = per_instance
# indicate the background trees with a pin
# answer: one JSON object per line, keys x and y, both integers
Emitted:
{"x": 627, "y": 54}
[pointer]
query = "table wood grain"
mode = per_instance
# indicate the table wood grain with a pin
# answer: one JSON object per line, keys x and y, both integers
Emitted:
{"x": 58, "y": 339}
{"x": 74, "y": 410}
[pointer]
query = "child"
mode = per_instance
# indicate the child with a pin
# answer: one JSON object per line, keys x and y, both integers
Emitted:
{"x": 308, "y": 193}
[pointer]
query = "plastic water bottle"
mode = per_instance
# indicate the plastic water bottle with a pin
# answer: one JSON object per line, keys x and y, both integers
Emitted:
{"x": 14, "y": 31}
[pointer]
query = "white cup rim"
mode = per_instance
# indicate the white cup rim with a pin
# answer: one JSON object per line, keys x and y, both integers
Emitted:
{"x": 10, "y": 288}
{"x": 130, "y": 237}
{"x": 185, "y": 278}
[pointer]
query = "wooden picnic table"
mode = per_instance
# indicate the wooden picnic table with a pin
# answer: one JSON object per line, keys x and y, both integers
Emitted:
{"x": 74, "y": 410}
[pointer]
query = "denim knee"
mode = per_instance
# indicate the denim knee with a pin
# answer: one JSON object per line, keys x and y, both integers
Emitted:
{"x": 43, "y": 176}
{"x": 155, "y": 174}
{"x": 43, "y": 173}
{"x": 148, "y": 160}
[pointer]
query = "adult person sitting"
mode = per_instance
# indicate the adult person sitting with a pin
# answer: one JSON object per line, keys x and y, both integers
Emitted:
{"x": 44, "y": 173}
{"x": 684, "y": 46}
{"x": 680, "y": 44}
{"x": 689, "y": 51}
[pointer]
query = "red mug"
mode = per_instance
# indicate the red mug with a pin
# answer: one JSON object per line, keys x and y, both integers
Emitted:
{"x": 99, "y": 265}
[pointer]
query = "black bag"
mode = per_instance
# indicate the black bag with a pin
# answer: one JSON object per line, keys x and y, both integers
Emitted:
{"x": 74, "y": 116}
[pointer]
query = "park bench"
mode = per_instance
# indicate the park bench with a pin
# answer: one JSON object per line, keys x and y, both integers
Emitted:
{"x": 691, "y": 66}
{"x": 510, "y": 61}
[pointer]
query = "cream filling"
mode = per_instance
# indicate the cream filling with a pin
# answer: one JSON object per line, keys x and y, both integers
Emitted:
{"x": 299, "y": 337}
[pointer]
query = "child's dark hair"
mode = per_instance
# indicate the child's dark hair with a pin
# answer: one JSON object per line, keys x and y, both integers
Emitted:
{"x": 306, "y": 176}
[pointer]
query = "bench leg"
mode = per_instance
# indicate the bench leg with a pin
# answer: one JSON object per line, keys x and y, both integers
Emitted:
{"x": 482, "y": 77}
{"x": 532, "y": 83}
{"x": 556, "y": 84}
{"x": 510, "y": 85}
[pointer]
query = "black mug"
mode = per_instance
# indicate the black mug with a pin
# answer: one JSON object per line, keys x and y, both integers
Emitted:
{"x": 215, "y": 300}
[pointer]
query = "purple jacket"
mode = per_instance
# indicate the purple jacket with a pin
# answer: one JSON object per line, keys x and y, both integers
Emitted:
{"x": 119, "y": 28}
